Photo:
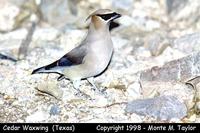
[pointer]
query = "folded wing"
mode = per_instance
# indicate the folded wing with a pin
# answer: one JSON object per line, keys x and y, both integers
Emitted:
{"x": 74, "y": 57}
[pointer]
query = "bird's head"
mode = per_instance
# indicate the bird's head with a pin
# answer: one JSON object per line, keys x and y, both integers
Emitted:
{"x": 103, "y": 17}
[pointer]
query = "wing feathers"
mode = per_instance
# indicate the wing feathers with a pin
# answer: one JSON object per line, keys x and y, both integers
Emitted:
{"x": 74, "y": 57}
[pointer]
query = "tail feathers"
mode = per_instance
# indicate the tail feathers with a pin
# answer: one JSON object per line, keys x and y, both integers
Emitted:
{"x": 39, "y": 70}
{"x": 47, "y": 69}
{"x": 51, "y": 68}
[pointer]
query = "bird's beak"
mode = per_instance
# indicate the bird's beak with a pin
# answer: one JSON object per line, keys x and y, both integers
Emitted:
{"x": 116, "y": 16}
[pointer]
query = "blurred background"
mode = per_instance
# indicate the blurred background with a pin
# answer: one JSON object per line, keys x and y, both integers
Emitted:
{"x": 157, "y": 44}
{"x": 161, "y": 19}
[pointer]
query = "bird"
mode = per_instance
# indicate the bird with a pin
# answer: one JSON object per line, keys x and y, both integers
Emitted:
{"x": 91, "y": 57}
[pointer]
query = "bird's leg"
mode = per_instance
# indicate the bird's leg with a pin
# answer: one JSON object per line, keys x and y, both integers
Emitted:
{"x": 91, "y": 81}
{"x": 76, "y": 84}
{"x": 95, "y": 88}
{"x": 47, "y": 77}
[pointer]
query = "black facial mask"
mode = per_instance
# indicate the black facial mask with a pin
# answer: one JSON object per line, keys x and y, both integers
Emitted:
{"x": 107, "y": 16}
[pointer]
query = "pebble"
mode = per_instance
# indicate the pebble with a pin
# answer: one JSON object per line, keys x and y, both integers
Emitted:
{"x": 50, "y": 87}
{"x": 45, "y": 34}
{"x": 55, "y": 110}
{"x": 134, "y": 91}
{"x": 38, "y": 116}
{"x": 136, "y": 118}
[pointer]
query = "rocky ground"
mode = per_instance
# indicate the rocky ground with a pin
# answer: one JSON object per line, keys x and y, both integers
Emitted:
{"x": 153, "y": 75}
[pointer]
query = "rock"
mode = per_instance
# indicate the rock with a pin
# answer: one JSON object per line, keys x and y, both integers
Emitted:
{"x": 142, "y": 52}
{"x": 13, "y": 14}
{"x": 14, "y": 35}
{"x": 8, "y": 12}
{"x": 55, "y": 110}
{"x": 71, "y": 39}
{"x": 163, "y": 107}
{"x": 57, "y": 18}
{"x": 183, "y": 92}
{"x": 183, "y": 9}
{"x": 39, "y": 116}
{"x": 175, "y": 5}
{"x": 195, "y": 84}
{"x": 156, "y": 43}
{"x": 1, "y": 100}
{"x": 11, "y": 41}
{"x": 100, "y": 101}
{"x": 188, "y": 43}
{"x": 151, "y": 25}
{"x": 192, "y": 118}
{"x": 113, "y": 95}
{"x": 134, "y": 91}
{"x": 123, "y": 4}
{"x": 197, "y": 95}
{"x": 17, "y": 2}
{"x": 29, "y": 12}
{"x": 175, "y": 120}
{"x": 135, "y": 118}
{"x": 169, "y": 54}
{"x": 119, "y": 43}
{"x": 51, "y": 88}
{"x": 181, "y": 69}
{"x": 126, "y": 20}
{"x": 139, "y": 23}
{"x": 45, "y": 34}
{"x": 197, "y": 107}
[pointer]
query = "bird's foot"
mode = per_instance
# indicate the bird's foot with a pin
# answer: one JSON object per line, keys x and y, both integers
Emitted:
{"x": 82, "y": 94}
{"x": 94, "y": 87}
{"x": 79, "y": 93}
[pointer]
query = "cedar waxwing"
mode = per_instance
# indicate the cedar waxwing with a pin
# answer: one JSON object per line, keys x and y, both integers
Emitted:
{"x": 91, "y": 57}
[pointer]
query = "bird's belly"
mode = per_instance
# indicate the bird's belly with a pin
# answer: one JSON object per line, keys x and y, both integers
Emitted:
{"x": 100, "y": 59}
{"x": 94, "y": 64}
{"x": 100, "y": 64}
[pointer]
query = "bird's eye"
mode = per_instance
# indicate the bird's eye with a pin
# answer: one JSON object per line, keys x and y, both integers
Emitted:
{"x": 106, "y": 16}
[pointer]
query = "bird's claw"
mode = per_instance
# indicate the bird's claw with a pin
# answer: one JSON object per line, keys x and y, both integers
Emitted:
{"x": 84, "y": 95}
